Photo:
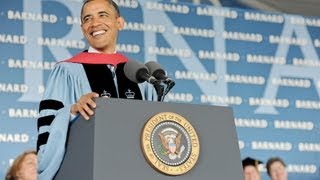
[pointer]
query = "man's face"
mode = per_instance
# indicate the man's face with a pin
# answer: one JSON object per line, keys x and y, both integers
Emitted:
{"x": 100, "y": 25}
{"x": 278, "y": 171}
{"x": 251, "y": 173}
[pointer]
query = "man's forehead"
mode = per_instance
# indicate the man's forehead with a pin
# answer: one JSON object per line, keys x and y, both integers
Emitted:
{"x": 96, "y": 6}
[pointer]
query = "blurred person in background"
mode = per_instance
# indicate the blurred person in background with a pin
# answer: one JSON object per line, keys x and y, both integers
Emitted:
{"x": 250, "y": 169}
{"x": 24, "y": 167}
{"x": 276, "y": 169}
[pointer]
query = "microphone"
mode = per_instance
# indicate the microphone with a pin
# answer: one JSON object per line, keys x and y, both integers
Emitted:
{"x": 138, "y": 72}
{"x": 158, "y": 72}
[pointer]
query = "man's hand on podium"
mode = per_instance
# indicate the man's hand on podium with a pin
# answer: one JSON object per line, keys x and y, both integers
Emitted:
{"x": 85, "y": 105}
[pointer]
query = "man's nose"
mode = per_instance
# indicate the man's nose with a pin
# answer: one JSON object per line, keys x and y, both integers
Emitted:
{"x": 95, "y": 21}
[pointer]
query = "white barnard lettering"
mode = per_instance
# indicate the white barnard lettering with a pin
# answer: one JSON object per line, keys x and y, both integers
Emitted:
{"x": 302, "y": 168}
{"x": 291, "y": 82}
{"x": 61, "y": 43}
{"x": 26, "y": 64}
{"x": 306, "y": 62}
{"x": 133, "y": 4}
{"x": 252, "y": 58}
{"x": 227, "y": 56}
{"x": 273, "y": 146}
{"x": 13, "y": 39}
{"x": 170, "y": 51}
{"x": 316, "y": 42}
{"x": 241, "y": 144}
{"x": 41, "y": 89}
{"x": 219, "y": 12}
{"x": 14, "y": 138}
{"x": 305, "y": 21}
{"x": 179, "y": 97}
{"x": 288, "y": 40}
{"x": 281, "y": 103}
{"x": 135, "y": 26}
{"x": 307, "y": 104}
{"x": 241, "y": 36}
{"x": 251, "y": 123}
{"x": 45, "y": 18}
{"x": 73, "y": 20}
{"x": 309, "y": 147}
{"x": 11, "y": 161}
{"x": 13, "y": 88}
{"x": 255, "y": 16}
{"x": 188, "y": 75}
{"x": 244, "y": 79}
{"x": 230, "y": 100}
{"x": 23, "y": 113}
{"x": 294, "y": 125}
{"x": 128, "y": 48}
{"x": 191, "y": 31}
{"x": 175, "y": 8}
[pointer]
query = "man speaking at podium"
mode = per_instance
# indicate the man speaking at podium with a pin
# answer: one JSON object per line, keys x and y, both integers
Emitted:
{"x": 75, "y": 83}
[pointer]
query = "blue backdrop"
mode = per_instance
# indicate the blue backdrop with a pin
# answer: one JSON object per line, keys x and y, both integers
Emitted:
{"x": 264, "y": 65}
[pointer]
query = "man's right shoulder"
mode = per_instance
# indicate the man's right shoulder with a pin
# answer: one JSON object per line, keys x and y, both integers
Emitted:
{"x": 68, "y": 66}
{"x": 65, "y": 64}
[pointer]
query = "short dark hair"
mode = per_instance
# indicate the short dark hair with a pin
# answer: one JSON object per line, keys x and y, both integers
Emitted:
{"x": 114, "y": 5}
{"x": 273, "y": 160}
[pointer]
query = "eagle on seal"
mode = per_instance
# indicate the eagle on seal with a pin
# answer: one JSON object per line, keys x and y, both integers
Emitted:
{"x": 171, "y": 143}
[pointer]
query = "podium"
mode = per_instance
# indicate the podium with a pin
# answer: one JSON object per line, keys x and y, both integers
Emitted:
{"x": 108, "y": 146}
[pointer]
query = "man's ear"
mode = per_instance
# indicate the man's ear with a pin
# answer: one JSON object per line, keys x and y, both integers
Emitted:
{"x": 120, "y": 22}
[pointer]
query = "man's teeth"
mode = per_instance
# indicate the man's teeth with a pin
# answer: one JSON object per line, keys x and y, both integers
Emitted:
{"x": 98, "y": 33}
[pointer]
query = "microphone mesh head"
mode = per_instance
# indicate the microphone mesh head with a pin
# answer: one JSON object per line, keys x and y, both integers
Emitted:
{"x": 133, "y": 71}
{"x": 155, "y": 69}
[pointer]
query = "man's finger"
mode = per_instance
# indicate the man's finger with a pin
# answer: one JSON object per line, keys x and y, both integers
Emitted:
{"x": 84, "y": 114}
{"x": 88, "y": 110}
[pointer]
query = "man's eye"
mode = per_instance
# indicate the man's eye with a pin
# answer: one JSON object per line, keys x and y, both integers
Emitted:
{"x": 103, "y": 15}
{"x": 86, "y": 19}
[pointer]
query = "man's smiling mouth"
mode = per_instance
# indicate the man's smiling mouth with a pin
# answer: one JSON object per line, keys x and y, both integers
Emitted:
{"x": 96, "y": 33}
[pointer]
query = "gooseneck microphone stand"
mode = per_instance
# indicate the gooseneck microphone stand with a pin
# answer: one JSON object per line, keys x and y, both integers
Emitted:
{"x": 159, "y": 87}
{"x": 162, "y": 88}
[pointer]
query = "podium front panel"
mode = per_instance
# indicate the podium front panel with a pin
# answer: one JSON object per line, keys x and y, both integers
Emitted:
{"x": 116, "y": 149}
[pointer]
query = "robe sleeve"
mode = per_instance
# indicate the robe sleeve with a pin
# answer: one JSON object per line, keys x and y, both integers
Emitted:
{"x": 65, "y": 86}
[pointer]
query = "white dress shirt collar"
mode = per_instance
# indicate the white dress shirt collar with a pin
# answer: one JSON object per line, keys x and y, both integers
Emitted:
{"x": 93, "y": 50}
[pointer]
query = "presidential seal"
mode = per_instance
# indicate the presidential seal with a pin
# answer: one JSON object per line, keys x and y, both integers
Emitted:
{"x": 170, "y": 143}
